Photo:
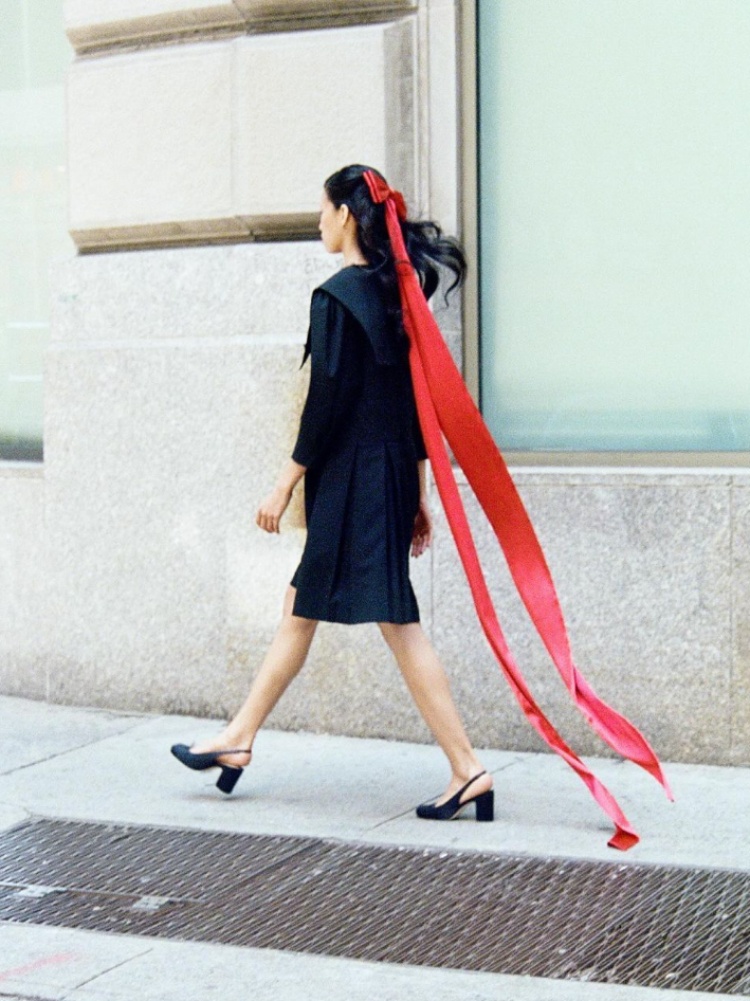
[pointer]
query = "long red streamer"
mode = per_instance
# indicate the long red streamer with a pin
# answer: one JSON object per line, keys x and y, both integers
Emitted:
{"x": 446, "y": 409}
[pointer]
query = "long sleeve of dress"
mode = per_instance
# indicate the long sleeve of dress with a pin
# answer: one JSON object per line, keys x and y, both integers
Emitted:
{"x": 335, "y": 378}
{"x": 418, "y": 439}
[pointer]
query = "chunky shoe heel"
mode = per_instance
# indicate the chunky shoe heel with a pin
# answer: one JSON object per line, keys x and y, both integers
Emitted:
{"x": 208, "y": 759}
{"x": 485, "y": 804}
{"x": 230, "y": 776}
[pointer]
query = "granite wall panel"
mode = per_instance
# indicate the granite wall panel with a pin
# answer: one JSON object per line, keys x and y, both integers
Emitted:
{"x": 740, "y": 718}
{"x": 256, "y": 291}
{"x": 643, "y": 572}
{"x": 23, "y": 616}
{"x": 173, "y": 385}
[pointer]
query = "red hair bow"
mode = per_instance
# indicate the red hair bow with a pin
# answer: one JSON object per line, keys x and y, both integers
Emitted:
{"x": 380, "y": 192}
{"x": 446, "y": 410}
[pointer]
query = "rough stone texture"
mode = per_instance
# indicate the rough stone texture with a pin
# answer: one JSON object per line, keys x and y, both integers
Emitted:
{"x": 448, "y": 317}
{"x": 173, "y": 145}
{"x": 643, "y": 574}
{"x": 741, "y": 622}
{"x": 252, "y": 291}
{"x": 139, "y": 499}
{"x": 22, "y": 614}
{"x": 166, "y": 425}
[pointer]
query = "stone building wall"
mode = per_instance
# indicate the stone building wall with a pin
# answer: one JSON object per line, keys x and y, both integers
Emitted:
{"x": 132, "y": 573}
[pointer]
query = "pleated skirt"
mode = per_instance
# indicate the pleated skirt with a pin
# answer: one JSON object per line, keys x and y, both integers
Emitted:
{"x": 360, "y": 506}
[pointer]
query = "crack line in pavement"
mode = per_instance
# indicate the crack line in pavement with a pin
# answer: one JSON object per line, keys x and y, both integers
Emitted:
{"x": 15, "y": 996}
{"x": 69, "y": 750}
{"x": 408, "y": 812}
{"x": 115, "y": 966}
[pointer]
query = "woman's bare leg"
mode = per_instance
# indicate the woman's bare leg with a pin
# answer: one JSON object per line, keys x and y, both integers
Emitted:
{"x": 428, "y": 684}
{"x": 282, "y": 664}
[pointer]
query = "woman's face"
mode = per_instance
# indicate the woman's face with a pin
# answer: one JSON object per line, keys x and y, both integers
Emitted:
{"x": 331, "y": 225}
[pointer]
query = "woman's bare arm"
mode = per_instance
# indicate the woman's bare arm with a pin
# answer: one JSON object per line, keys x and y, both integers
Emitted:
{"x": 275, "y": 504}
{"x": 422, "y": 533}
{"x": 422, "y": 469}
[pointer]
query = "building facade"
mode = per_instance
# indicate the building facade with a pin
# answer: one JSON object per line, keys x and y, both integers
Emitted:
{"x": 197, "y": 136}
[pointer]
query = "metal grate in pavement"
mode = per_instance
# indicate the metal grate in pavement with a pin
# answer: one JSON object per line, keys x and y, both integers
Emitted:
{"x": 610, "y": 922}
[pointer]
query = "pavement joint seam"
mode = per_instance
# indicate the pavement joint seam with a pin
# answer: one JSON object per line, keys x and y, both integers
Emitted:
{"x": 389, "y": 820}
{"x": 68, "y": 750}
{"x": 15, "y": 996}
{"x": 115, "y": 966}
{"x": 510, "y": 764}
{"x": 410, "y": 810}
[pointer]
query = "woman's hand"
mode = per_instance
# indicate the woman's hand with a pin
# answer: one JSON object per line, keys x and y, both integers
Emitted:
{"x": 422, "y": 533}
{"x": 270, "y": 511}
{"x": 272, "y": 508}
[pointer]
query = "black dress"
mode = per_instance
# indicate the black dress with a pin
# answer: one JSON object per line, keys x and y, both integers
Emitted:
{"x": 359, "y": 438}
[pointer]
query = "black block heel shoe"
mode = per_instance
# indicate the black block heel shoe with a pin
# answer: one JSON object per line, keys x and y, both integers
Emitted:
{"x": 200, "y": 762}
{"x": 485, "y": 805}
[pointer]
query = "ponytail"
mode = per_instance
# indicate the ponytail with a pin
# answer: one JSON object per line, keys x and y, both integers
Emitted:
{"x": 428, "y": 249}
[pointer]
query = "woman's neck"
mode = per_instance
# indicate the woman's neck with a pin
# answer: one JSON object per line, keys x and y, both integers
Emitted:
{"x": 352, "y": 253}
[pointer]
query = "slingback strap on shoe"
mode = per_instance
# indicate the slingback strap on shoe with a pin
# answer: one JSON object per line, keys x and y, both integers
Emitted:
{"x": 209, "y": 759}
{"x": 485, "y": 804}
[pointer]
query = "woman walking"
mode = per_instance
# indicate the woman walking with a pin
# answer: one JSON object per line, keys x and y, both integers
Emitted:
{"x": 361, "y": 452}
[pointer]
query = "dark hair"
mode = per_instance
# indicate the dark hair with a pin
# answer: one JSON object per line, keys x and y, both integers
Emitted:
{"x": 426, "y": 246}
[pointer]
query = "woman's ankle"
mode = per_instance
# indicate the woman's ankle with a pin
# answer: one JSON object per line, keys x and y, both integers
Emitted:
{"x": 466, "y": 768}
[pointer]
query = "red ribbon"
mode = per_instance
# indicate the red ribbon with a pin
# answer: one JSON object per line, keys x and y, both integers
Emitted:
{"x": 446, "y": 409}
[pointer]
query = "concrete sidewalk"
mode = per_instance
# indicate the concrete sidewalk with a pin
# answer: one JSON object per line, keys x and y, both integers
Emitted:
{"x": 95, "y": 765}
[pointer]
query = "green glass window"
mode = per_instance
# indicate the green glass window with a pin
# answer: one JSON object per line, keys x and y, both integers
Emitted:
{"x": 34, "y": 54}
{"x": 614, "y": 216}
